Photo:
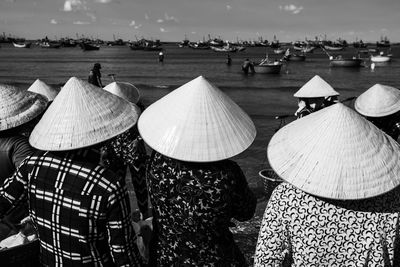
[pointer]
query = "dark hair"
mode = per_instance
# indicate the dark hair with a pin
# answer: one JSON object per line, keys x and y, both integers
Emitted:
{"x": 97, "y": 66}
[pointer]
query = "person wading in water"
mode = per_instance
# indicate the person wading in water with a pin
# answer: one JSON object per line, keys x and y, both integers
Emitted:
{"x": 95, "y": 75}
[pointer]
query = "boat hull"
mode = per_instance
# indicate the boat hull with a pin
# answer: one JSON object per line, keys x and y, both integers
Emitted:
{"x": 333, "y": 48}
{"x": 89, "y": 47}
{"x": 268, "y": 69}
{"x": 295, "y": 58}
{"x": 380, "y": 59}
{"x": 347, "y": 63}
{"x": 25, "y": 45}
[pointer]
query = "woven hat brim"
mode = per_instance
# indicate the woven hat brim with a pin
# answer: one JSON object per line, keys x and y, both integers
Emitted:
{"x": 356, "y": 161}
{"x": 384, "y": 111}
{"x": 378, "y": 101}
{"x": 316, "y": 87}
{"x": 124, "y": 90}
{"x": 42, "y": 88}
{"x": 31, "y": 106}
{"x": 82, "y": 115}
{"x": 197, "y": 123}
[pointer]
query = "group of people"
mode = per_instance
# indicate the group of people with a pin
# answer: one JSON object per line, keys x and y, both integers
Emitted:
{"x": 64, "y": 161}
{"x": 68, "y": 173}
{"x": 340, "y": 201}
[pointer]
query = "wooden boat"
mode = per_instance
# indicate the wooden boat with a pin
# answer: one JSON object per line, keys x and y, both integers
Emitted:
{"x": 384, "y": 42}
{"x": 340, "y": 61}
{"x": 268, "y": 67}
{"x": 89, "y": 46}
{"x": 294, "y": 57}
{"x": 199, "y": 46}
{"x": 333, "y": 48}
{"x": 226, "y": 49}
{"x": 22, "y": 45}
{"x": 50, "y": 45}
{"x": 279, "y": 51}
{"x": 381, "y": 57}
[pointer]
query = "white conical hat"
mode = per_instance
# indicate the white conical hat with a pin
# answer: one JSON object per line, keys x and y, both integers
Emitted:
{"x": 198, "y": 123}
{"x": 127, "y": 91}
{"x": 378, "y": 101}
{"x": 336, "y": 153}
{"x": 316, "y": 87}
{"x": 40, "y": 87}
{"x": 18, "y": 106}
{"x": 82, "y": 115}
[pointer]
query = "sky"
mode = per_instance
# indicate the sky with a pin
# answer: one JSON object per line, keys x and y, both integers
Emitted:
{"x": 172, "y": 20}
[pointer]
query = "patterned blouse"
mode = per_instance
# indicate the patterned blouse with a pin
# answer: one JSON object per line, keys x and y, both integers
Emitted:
{"x": 128, "y": 150}
{"x": 193, "y": 205}
{"x": 299, "y": 229}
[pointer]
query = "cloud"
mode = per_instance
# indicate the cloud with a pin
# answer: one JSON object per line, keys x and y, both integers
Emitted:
{"x": 133, "y": 23}
{"x": 193, "y": 32}
{"x": 53, "y": 21}
{"x": 10, "y": 1}
{"x": 163, "y": 30}
{"x": 138, "y": 26}
{"x": 91, "y": 16}
{"x": 78, "y": 22}
{"x": 170, "y": 18}
{"x": 74, "y": 5}
{"x": 103, "y": 1}
{"x": 228, "y": 7}
{"x": 146, "y": 16}
{"x": 292, "y": 8}
{"x": 160, "y": 20}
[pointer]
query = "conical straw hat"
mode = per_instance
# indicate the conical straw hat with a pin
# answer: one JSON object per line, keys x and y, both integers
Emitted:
{"x": 40, "y": 87}
{"x": 378, "y": 101}
{"x": 125, "y": 90}
{"x": 82, "y": 115}
{"x": 336, "y": 153}
{"x": 316, "y": 87}
{"x": 18, "y": 106}
{"x": 197, "y": 123}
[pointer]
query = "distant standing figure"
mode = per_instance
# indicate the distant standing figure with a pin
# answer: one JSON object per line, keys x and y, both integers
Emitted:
{"x": 161, "y": 57}
{"x": 229, "y": 60}
{"x": 95, "y": 75}
{"x": 247, "y": 64}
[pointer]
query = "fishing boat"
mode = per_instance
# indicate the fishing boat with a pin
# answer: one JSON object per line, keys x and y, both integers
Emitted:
{"x": 22, "y": 45}
{"x": 384, "y": 42}
{"x": 89, "y": 46}
{"x": 199, "y": 46}
{"x": 226, "y": 49}
{"x": 266, "y": 66}
{"x": 359, "y": 44}
{"x": 333, "y": 47}
{"x": 339, "y": 61}
{"x": 381, "y": 58}
{"x": 279, "y": 51}
{"x": 50, "y": 45}
{"x": 293, "y": 57}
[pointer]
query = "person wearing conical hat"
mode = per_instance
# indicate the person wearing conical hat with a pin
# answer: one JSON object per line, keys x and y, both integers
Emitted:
{"x": 95, "y": 75}
{"x": 42, "y": 88}
{"x": 194, "y": 189}
{"x": 314, "y": 95}
{"x": 340, "y": 202}
{"x": 80, "y": 209}
{"x": 380, "y": 104}
{"x": 17, "y": 109}
{"x": 127, "y": 150}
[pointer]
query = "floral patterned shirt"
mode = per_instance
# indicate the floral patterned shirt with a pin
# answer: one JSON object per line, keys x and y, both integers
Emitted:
{"x": 299, "y": 229}
{"x": 193, "y": 204}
